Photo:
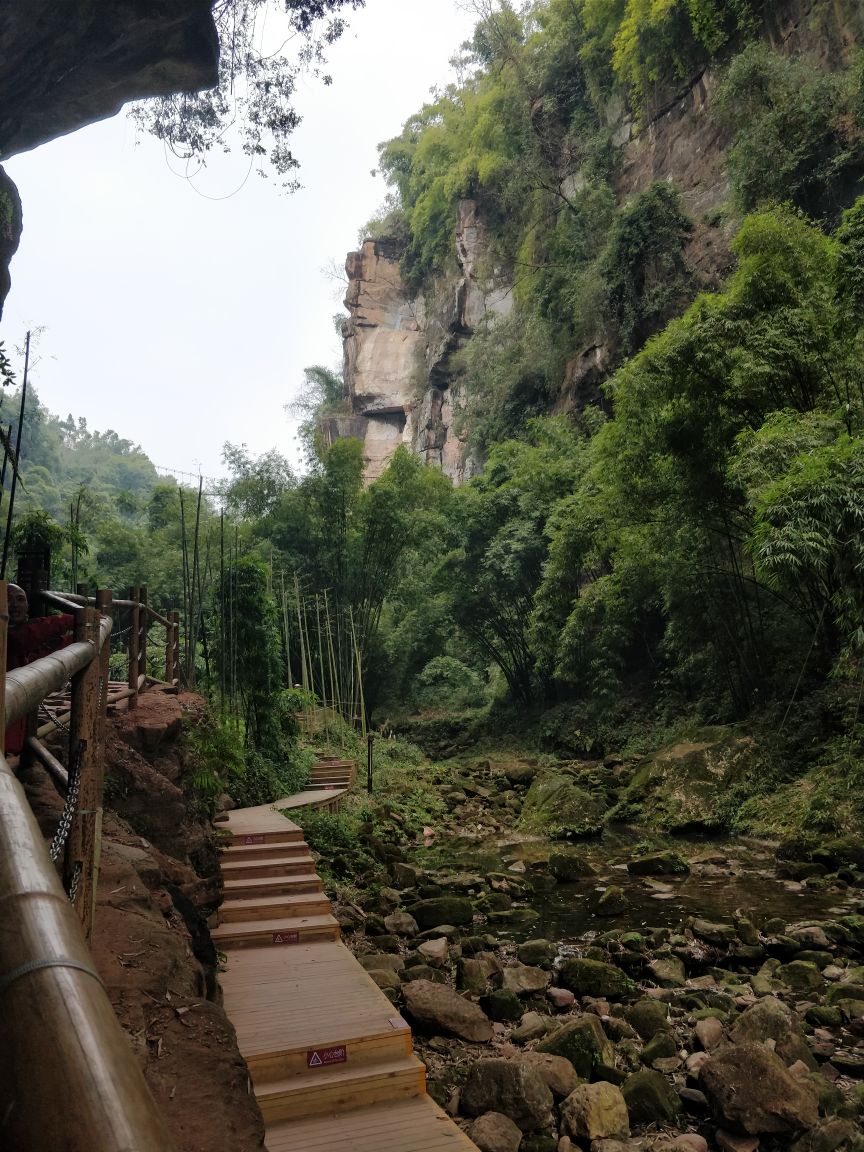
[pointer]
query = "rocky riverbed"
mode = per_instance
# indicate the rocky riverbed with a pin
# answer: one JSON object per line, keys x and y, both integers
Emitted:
{"x": 624, "y": 993}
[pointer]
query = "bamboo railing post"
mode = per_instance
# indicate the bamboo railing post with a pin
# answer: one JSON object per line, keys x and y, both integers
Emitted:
{"x": 175, "y": 630}
{"x": 144, "y": 619}
{"x": 169, "y": 651}
{"x": 4, "y": 628}
{"x": 84, "y": 753}
{"x": 134, "y": 632}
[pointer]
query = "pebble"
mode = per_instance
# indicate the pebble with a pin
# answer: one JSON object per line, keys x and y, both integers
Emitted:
{"x": 709, "y": 1033}
{"x": 694, "y": 1063}
{"x": 691, "y": 1141}
{"x": 560, "y": 997}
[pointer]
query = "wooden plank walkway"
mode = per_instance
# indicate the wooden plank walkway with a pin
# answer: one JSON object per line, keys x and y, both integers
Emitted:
{"x": 330, "y": 1058}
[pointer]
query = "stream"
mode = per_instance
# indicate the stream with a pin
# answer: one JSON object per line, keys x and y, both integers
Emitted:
{"x": 727, "y": 875}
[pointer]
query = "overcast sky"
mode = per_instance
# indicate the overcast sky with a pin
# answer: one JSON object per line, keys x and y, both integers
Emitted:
{"x": 182, "y": 321}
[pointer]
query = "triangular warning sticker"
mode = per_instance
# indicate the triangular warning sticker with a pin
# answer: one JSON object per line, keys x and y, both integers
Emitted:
{"x": 315, "y": 1060}
{"x": 277, "y": 939}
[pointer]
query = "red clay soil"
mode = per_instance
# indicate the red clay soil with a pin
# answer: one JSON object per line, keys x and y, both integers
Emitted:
{"x": 158, "y": 874}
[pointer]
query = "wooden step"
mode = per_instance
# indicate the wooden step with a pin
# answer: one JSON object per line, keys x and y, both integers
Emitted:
{"x": 362, "y": 1052}
{"x": 273, "y": 886}
{"x": 282, "y": 932}
{"x": 338, "y": 1088}
{"x": 263, "y": 851}
{"x": 413, "y": 1125}
{"x": 288, "y": 836}
{"x": 238, "y": 909}
{"x": 279, "y": 866}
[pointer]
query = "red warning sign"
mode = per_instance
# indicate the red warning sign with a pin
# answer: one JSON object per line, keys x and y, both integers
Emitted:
{"x": 286, "y": 937}
{"x": 322, "y": 1057}
{"x": 258, "y": 839}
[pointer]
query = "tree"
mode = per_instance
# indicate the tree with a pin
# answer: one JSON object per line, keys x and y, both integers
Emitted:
{"x": 255, "y": 92}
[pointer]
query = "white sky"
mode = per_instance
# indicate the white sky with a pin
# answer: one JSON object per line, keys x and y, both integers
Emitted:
{"x": 181, "y": 321}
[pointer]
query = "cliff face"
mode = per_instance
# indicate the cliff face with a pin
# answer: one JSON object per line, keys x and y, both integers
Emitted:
{"x": 398, "y": 345}
{"x": 64, "y": 65}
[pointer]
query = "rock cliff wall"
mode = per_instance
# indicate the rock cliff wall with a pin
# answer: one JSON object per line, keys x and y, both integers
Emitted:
{"x": 398, "y": 344}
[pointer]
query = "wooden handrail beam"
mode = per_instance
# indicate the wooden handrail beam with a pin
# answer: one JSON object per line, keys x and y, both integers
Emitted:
{"x": 59, "y": 775}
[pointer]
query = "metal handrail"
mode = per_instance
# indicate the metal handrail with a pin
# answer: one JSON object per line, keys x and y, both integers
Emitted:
{"x": 68, "y": 1076}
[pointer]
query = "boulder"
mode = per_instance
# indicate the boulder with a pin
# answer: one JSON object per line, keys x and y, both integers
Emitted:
{"x": 583, "y": 1042}
{"x": 752, "y": 1092}
{"x": 595, "y": 1112}
{"x": 559, "y": 1074}
{"x": 401, "y": 924}
{"x": 442, "y": 910}
{"x": 650, "y": 1098}
{"x": 560, "y": 998}
{"x": 495, "y": 1132}
{"x": 648, "y": 1017}
{"x": 523, "y": 979}
{"x": 536, "y": 952}
{"x": 470, "y": 975}
{"x": 568, "y": 867}
{"x": 709, "y": 1033}
{"x": 556, "y": 804}
{"x": 437, "y": 1007}
{"x": 686, "y": 785}
{"x": 435, "y": 952}
{"x": 511, "y": 1087}
{"x": 612, "y": 902}
{"x": 593, "y": 978}
{"x": 720, "y": 935}
{"x": 668, "y": 972}
{"x": 800, "y": 976}
{"x": 502, "y": 1005}
{"x": 771, "y": 1020}
{"x": 532, "y": 1026}
{"x": 659, "y": 864}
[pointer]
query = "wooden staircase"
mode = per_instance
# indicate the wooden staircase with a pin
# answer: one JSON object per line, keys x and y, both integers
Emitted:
{"x": 331, "y": 1061}
{"x": 332, "y": 773}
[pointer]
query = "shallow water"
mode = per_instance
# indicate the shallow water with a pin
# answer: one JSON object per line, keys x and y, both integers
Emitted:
{"x": 745, "y": 881}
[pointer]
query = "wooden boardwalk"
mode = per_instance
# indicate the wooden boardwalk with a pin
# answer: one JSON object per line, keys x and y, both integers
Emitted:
{"x": 330, "y": 1058}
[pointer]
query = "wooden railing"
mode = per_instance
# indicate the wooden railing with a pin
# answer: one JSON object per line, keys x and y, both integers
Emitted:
{"x": 68, "y": 1076}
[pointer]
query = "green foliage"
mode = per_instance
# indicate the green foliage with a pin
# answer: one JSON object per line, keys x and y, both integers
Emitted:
{"x": 256, "y": 86}
{"x": 643, "y": 267}
{"x": 446, "y": 683}
{"x": 797, "y": 138}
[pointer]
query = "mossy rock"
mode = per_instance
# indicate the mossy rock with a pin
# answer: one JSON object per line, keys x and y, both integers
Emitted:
{"x": 650, "y": 1098}
{"x": 568, "y": 867}
{"x": 583, "y": 1042}
{"x": 556, "y": 805}
{"x": 667, "y": 863}
{"x": 503, "y": 1006}
{"x": 686, "y": 785}
{"x": 594, "y": 978}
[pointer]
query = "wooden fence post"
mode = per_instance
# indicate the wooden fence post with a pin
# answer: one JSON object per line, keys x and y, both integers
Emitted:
{"x": 104, "y": 598}
{"x": 145, "y": 628}
{"x": 134, "y": 635}
{"x": 175, "y": 618}
{"x": 4, "y": 627}
{"x": 84, "y": 755}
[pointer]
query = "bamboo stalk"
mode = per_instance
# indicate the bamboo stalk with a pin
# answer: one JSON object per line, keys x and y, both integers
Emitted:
{"x": 16, "y": 461}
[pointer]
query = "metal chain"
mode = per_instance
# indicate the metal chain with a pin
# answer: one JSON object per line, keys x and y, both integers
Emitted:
{"x": 76, "y": 876}
{"x": 48, "y": 715}
{"x": 69, "y": 807}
